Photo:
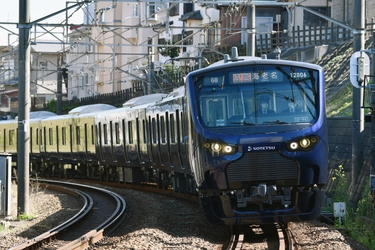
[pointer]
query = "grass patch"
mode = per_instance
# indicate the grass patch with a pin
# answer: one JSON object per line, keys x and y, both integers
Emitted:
{"x": 359, "y": 222}
{"x": 25, "y": 217}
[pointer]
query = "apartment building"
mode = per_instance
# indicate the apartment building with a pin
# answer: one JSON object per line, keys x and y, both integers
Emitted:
{"x": 120, "y": 43}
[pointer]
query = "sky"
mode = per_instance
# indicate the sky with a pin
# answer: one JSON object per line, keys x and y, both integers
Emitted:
{"x": 38, "y": 9}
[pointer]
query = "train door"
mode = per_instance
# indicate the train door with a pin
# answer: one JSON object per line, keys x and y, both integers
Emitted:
{"x": 131, "y": 141}
{"x": 44, "y": 136}
{"x": 86, "y": 141}
{"x": 124, "y": 141}
{"x": 150, "y": 140}
{"x": 138, "y": 140}
{"x": 155, "y": 138}
{"x": 173, "y": 141}
{"x": 2, "y": 141}
{"x": 163, "y": 145}
{"x": 100, "y": 141}
{"x": 91, "y": 154}
{"x": 58, "y": 142}
{"x": 112, "y": 141}
{"x": 182, "y": 133}
{"x": 168, "y": 139}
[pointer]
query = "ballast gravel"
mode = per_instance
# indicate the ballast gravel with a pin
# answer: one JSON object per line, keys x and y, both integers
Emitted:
{"x": 154, "y": 222}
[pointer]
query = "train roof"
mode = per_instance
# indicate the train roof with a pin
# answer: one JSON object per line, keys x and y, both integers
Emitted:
{"x": 141, "y": 100}
{"x": 39, "y": 115}
{"x": 91, "y": 109}
{"x": 177, "y": 92}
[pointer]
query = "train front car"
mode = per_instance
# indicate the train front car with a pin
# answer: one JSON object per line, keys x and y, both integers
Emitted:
{"x": 258, "y": 140}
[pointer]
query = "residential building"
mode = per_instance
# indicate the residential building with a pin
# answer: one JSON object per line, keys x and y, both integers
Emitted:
{"x": 120, "y": 43}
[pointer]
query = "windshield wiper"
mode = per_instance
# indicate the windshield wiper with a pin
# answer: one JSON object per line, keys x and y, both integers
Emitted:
{"x": 276, "y": 122}
{"x": 244, "y": 123}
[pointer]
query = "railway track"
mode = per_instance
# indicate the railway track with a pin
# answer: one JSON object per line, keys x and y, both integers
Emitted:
{"x": 70, "y": 236}
{"x": 273, "y": 236}
{"x": 101, "y": 212}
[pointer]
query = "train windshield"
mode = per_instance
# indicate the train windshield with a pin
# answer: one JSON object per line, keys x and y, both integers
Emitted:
{"x": 257, "y": 95}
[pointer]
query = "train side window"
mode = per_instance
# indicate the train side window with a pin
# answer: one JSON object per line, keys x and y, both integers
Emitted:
{"x": 144, "y": 131}
{"x": 153, "y": 127}
{"x": 138, "y": 125}
{"x": 111, "y": 132}
{"x": 40, "y": 137}
{"x": 100, "y": 134}
{"x": 63, "y": 135}
{"x": 31, "y": 138}
{"x": 130, "y": 132}
{"x": 44, "y": 136}
{"x": 50, "y": 136}
{"x": 158, "y": 128}
{"x": 123, "y": 132}
{"x": 92, "y": 135}
{"x": 57, "y": 135}
{"x": 105, "y": 133}
{"x": 85, "y": 142}
{"x": 168, "y": 138}
{"x": 172, "y": 128}
{"x": 117, "y": 133}
{"x": 11, "y": 137}
{"x": 37, "y": 136}
{"x": 162, "y": 129}
{"x": 78, "y": 135}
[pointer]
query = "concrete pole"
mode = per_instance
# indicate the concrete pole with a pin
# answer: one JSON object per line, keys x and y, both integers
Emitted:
{"x": 23, "y": 141}
{"x": 372, "y": 170}
{"x": 59, "y": 85}
{"x": 358, "y": 112}
{"x": 250, "y": 45}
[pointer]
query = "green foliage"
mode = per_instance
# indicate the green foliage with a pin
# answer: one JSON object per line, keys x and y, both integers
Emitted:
{"x": 170, "y": 50}
{"x": 52, "y": 107}
{"x": 360, "y": 220}
{"x": 25, "y": 217}
{"x": 341, "y": 185}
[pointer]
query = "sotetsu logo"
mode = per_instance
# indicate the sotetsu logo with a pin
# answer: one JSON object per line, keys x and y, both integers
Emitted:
{"x": 261, "y": 148}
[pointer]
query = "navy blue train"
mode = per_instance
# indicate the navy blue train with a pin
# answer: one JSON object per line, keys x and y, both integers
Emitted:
{"x": 248, "y": 134}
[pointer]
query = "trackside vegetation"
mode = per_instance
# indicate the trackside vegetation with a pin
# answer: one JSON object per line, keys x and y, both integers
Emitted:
{"x": 359, "y": 222}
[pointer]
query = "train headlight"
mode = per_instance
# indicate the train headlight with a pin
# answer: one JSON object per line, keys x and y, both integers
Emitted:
{"x": 303, "y": 144}
{"x": 216, "y": 147}
{"x": 219, "y": 148}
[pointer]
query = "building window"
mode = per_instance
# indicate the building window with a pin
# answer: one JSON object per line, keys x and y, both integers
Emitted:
{"x": 188, "y": 7}
{"x": 311, "y": 19}
{"x": 151, "y": 9}
{"x": 135, "y": 10}
{"x": 175, "y": 9}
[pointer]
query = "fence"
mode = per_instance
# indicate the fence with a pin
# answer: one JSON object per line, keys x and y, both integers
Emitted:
{"x": 298, "y": 37}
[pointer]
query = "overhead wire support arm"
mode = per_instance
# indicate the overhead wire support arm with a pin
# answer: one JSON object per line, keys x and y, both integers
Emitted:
{"x": 60, "y": 11}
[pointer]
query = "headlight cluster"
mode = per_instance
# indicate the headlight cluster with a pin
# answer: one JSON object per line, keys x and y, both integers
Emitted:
{"x": 219, "y": 148}
{"x": 303, "y": 144}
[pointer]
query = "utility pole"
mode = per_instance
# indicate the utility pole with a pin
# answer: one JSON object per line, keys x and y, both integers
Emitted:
{"x": 59, "y": 85}
{"x": 23, "y": 141}
{"x": 250, "y": 45}
{"x": 358, "y": 112}
{"x": 372, "y": 166}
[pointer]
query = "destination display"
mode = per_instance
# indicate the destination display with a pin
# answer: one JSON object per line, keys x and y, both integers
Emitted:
{"x": 260, "y": 76}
